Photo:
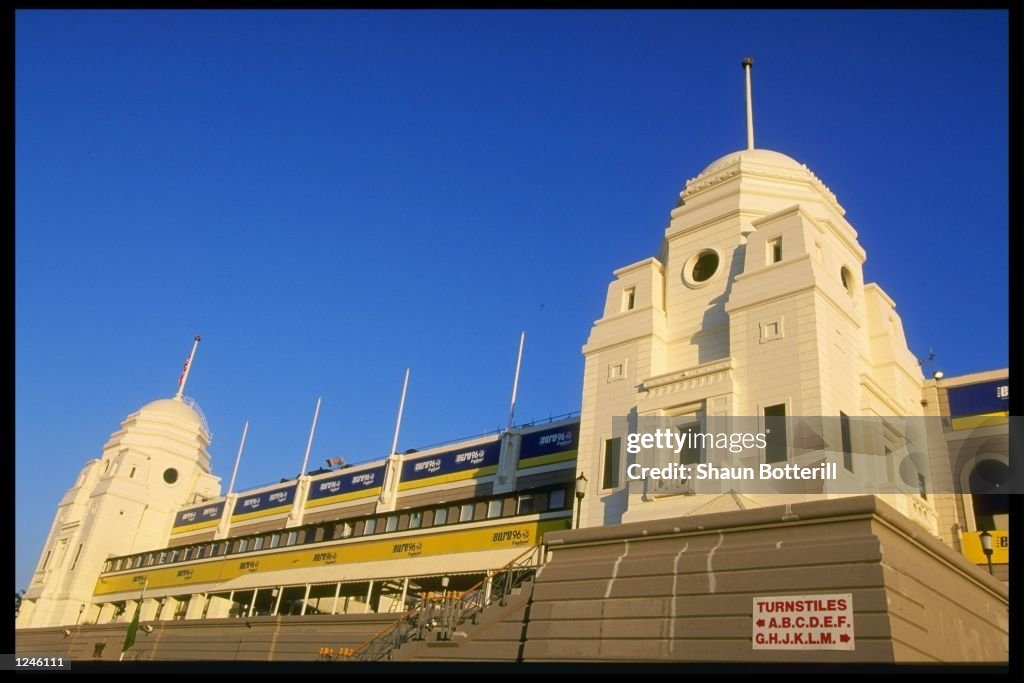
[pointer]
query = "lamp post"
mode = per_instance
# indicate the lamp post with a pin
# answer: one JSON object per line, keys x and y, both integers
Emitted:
{"x": 80, "y": 610}
{"x": 581, "y": 490}
{"x": 986, "y": 547}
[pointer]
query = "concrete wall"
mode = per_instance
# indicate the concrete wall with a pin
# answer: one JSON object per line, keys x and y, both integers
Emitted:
{"x": 267, "y": 639}
{"x": 682, "y": 590}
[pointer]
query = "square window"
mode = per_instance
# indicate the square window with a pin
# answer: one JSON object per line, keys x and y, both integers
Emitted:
{"x": 391, "y": 524}
{"x": 494, "y": 508}
{"x": 369, "y": 527}
{"x": 556, "y": 501}
{"x": 440, "y": 516}
{"x": 415, "y": 520}
{"x": 466, "y": 512}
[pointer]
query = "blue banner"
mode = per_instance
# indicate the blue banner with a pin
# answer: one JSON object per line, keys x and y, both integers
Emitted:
{"x": 979, "y": 399}
{"x": 450, "y": 462}
{"x": 198, "y": 515}
{"x": 346, "y": 482}
{"x": 267, "y": 500}
{"x": 549, "y": 441}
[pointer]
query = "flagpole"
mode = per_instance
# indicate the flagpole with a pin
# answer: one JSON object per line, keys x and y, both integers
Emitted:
{"x": 133, "y": 627}
{"x": 309, "y": 444}
{"x": 515, "y": 383}
{"x": 188, "y": 367}
{"x": 238, "y": 458}
{"x": 401, "y": 406}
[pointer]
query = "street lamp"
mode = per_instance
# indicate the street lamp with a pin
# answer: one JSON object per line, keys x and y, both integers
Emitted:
{"x": 581, "y": 490}
{"x": 80, "y": 610}
{"x": 986, "y": 547}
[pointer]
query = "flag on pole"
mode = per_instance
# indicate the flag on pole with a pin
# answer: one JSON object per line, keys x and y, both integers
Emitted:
{"x": 129, "y": 638}
{"x": 183, "y": 371}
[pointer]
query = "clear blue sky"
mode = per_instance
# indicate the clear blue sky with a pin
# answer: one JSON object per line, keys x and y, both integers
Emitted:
{"x": 329, "y": 197}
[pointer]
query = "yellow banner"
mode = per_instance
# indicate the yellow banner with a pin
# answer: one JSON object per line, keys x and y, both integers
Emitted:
{"x": 447, "y": 478}
{"x": 342, "y": 497}
{"x": 971, "y": 543}
{"x": 979, "y": 421}
{"x": 189, "y": 528}
{"x": 547, "y": 459}
{"x": 220, "y": 569}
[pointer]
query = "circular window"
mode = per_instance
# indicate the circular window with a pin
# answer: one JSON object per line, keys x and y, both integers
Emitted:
{"x": 847, "y": 277}
{"x": 170, "y": 475}
{"x": 701, "y": 267}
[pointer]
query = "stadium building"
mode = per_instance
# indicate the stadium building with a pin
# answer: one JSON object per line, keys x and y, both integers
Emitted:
{"x": 754, "y": 309}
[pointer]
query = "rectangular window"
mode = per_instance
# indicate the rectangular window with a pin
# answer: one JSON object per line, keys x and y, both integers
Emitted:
{"x": 293, "y": 537}
{"x": 415, "y": 520}
{"x": 494, "y": 508}
{"x": 466, "y": 512}
{"x": 775, "y": 250}
{"x": 174, "y": 556}
{"x": 275, "y": 540}
{"x": 921, "y": 488}
{"x": 844, "y": 425}
{"x": 163, "y": 557}
{"x": 186, "y": 554}
{"x": 369, "y": 527}
{"x": 78, "y": 552}
{"x": 524, "y": 506}
{"x": 199, "y": 552}
{"x": 243, "y": 545}
{"x": 131, "y": 474}
{"x": 46, "y": 560}
{"x": 258, "y": 543}
{"x": 440, "y": 516}
{"x": 346, "y": 530}
{"x": 775, "y": 449}
{"x": 629, "y": 299}
{"x": 391, "y": 524}
{"x": 612, "y": 450}
{"x": 557, "y": 499}
{"x": 692, "y": 450}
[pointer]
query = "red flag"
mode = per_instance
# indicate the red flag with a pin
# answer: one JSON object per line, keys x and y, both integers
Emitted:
{"x": 183, "y": 371}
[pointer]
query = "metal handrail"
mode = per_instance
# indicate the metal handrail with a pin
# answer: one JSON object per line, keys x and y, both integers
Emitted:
{"x": 446, "y": 611}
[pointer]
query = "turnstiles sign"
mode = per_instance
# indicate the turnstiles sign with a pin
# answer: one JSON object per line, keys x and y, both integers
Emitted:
{"x": 804, "y": 622}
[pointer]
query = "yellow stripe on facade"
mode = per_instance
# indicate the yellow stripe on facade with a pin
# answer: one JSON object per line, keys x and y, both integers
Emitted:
{"x": 977, "y": 421}
{"x": 548, "y": 459}
{"x": 279, "y": 510}
{"x": 221, "y": 569}
{"x": 341, "y": 497}
{"x": 189, "y": 528}
{"x": 446, "y": 478}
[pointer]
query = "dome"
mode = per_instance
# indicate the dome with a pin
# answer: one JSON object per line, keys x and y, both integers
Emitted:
{"x": 758, "y": 156}
{"x": 179, "y": 410}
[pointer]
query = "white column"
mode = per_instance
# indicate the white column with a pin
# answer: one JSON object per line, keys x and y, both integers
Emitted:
{"x": 305, "y": 600}
{"x": 369, "y": 592}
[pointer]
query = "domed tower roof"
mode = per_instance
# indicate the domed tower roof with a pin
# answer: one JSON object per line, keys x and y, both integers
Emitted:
{"x": 184, "y": 410}
{"x": 763, "y": 163}
{"x": 760, "y": 156}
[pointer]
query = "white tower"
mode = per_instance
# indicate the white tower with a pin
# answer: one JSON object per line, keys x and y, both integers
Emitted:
{"x": 755, "y": 306}
{"x": 122, "y": 503}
